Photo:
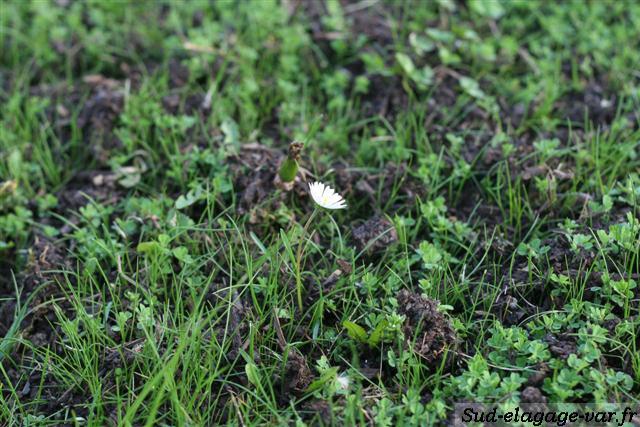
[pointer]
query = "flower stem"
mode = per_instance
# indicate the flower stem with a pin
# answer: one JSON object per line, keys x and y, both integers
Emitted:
{"x": 299, "y": 251}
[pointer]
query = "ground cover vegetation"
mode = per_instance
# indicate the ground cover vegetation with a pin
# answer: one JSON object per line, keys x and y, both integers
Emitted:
{"x": 156, "y": 270}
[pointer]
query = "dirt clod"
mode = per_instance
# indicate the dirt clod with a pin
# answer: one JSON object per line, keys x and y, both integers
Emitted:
{"x": 426, "y": 329}
{"x": 561, "y": 346}
{"x": 532, "y": 395}
{"x": 375, "y": 234}
{"x": 99, "y": 116}
{"x": 86, "y": 185}
{"x": 297, "y": 375}
{"x": 317, "y": 409}
{"x": 533, "y": 399}
{"x": 542, "y": 372}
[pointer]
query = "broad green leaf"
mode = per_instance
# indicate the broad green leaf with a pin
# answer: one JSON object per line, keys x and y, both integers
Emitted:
{"x": 406, "y": 63}
{"x": 421, "y": 44}
{"x": 355, "y": 331}
{"x": 190, "y": 198}
{"x": 253, "y": 374}
{"x": 471, "y": 87}
{"x": 490, "y": 8}
{"x": 148, "y": 247}
{"x": 328, "y": 375}
{"x": 378, "y": 333}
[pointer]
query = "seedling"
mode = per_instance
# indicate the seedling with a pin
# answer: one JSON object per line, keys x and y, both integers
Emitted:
{"x": 330, "y": 381}
{"x": 359, "y": 334}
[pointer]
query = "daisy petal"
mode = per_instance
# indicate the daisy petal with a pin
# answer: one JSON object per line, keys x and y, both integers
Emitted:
{"x": 325, "y": 196}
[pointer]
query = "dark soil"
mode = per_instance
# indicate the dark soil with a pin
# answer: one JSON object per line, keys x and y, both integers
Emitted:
{"x": 375, "y": 234}
{"x": 256, "y": 181}
{"x": 296, "y": 376}
{"x": 428, "y": 332}
{"x": 594, "y": 102}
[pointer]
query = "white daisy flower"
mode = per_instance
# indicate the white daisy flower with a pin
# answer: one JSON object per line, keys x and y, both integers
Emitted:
{"x": 326, "y": 197}
{"x": 343, "y": 382}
